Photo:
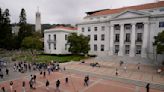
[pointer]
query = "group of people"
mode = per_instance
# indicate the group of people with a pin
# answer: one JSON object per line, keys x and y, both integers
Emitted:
{"x": 22, "y": 67}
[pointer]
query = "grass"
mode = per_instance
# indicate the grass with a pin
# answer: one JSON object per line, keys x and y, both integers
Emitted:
{"x": 49, "y": 58}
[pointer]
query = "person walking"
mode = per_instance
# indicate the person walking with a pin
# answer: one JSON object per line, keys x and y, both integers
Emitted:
{"x": 85, "y": 81}
{"x": 57, "y": 84}
{"x": 66, "y": 80}
{"x": 34, "y": 78}
{"x": 125, "y": 68}
{"x": 116, "y": 72}
{"x": 44, "y": 74}
{"x": 3, "y": 89}
{"x": 47, "y": 84}
{"x": 7, "y": 71}
{"x": 138, "y": 67}
{"x": 23, "y": 86}
{"x": 147, "y": 87}
{"x": 11, "y": 86}
{"x": 31, "y": 84}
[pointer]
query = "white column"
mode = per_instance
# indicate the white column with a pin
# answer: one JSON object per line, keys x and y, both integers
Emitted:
{"x": 121, "y": 45}
{"x": 145, "y": 40}
{"x": 111, "y": 39}
{"x": 132, "y": 45}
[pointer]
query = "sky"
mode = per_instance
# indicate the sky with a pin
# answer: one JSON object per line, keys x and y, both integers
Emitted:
{"x": 62, "y": 11}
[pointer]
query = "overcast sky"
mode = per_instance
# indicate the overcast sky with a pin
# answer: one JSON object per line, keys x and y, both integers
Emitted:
{"x": 62, "y": 11}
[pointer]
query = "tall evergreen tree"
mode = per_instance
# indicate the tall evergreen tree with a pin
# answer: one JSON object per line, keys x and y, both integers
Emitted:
{"x": 5, "y": 29}
{"x": 25, "y": 29}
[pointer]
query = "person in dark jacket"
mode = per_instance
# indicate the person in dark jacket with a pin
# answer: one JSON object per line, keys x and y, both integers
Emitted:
{"x": 147, "y": 87}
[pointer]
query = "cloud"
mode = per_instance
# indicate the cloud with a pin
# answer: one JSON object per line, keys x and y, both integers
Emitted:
{"x": 61, "y": 11}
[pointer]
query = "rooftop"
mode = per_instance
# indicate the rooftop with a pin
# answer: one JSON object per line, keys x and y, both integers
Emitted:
{"x": 118, "y": 10}
{"x": 64, "y": 27}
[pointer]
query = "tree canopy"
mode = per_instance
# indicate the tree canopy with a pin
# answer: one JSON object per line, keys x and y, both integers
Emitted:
{"x": 32, "y": 43}
{"x": 25, "y": 29}
{"x": 159, "y": 42}
{"x": 5, "y": 29}
{"x": 78, "y": 44}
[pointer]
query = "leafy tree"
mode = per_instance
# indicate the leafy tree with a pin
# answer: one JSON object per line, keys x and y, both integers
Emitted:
{"x": 78, "y": 44}
{"x": 159, "y": 43}
{"x": 32, "y": 43}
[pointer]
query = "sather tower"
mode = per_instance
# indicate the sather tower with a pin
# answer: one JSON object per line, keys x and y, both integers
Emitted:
{"x": 38, "y": 22}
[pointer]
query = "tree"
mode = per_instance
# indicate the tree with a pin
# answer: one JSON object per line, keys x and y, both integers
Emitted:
{"x": 32, "y": 43}
{"x": 25, "y": 29}
{"x": 78, "y": 44}
{"x": 5, "y": 29}
{"x": 159, "y": 43}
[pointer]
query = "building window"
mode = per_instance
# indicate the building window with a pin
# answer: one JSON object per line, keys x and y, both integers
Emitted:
{"x": 117, "y": 27}
{"x": 89, "y": 29}
{"x": 54, "y": 46}
{"x": 54, "y": 37}
{"x": 127, "y": 27}
{"x": 139, "y": 37}
{"x": 161, "y": 24}
{"x": 82, "y": 29}
{"x": 116, "y": 48}
{"x": 95, "y": 37}
{"x": 95, "y": 47}
{"x": 127, "y": 37}
{"x": 102, "y": 47}
{"x": 139, "y": 25}
{"x": 117, "y": 37}
{"x": 49, "y": 37}
{"x": 66, "y": 37}
{"x": 95, "y": 28}
{"x": 49, "y": 45}
{"x": 103, "y": 28}
{"x": 127, "y": 49}
{"x": 102, "y": 37}
{"x": 138, "y": 49}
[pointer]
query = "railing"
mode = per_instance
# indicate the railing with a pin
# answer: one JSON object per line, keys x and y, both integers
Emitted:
{"x": 51, "y": 41}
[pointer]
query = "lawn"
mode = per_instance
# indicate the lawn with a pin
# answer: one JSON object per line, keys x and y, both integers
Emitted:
{"x": 48, "y": 58}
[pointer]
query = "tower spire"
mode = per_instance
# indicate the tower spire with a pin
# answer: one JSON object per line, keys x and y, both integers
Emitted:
{"x": 38, "y": 8}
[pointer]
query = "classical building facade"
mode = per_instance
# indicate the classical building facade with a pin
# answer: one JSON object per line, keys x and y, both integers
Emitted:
{"x": 124, "y": 31}
{"x": 55, "y": 40}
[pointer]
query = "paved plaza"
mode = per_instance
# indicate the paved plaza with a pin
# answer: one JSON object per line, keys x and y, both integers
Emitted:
{"x": 75, "y": 84}
{"x": 102, "y": 79}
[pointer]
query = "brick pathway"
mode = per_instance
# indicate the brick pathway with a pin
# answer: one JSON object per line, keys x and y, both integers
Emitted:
{"x": 75, "y": 84}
